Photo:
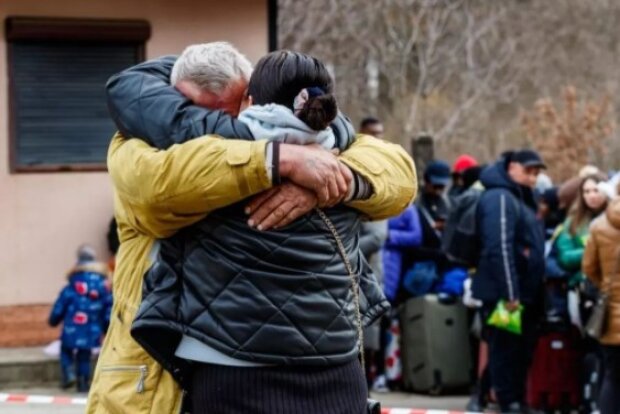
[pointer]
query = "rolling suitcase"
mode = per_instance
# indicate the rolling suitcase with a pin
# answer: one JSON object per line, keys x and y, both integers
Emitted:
{"x": 554, "y": 377}
{"x": 435, "y": 345}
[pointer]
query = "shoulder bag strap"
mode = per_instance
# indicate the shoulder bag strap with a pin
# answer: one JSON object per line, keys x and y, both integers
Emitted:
{"x": 354, "y": 282}
{"x": 429, "y": 218}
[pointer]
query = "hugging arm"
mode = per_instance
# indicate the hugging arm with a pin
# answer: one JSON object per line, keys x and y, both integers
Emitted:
{"x": 166, "y": 190}
{"x": 388, "y": 176}
{"x": 143, "y": 104}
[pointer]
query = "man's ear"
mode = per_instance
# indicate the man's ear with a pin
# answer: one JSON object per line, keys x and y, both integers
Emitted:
{"x": 250, "y": 100}
{"x": 189, "y": 89}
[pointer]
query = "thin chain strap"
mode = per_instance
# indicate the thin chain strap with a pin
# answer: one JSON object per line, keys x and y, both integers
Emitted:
{"x": 354, "y": 284}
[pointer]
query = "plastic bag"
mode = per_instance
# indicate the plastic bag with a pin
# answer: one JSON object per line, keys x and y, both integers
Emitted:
{"x": 502, "y": 318}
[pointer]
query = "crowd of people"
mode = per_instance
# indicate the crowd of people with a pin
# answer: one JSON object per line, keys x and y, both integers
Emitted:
{"x": 503, "y": 232}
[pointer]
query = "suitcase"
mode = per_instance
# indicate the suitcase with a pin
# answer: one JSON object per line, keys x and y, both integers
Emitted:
{"x": 554, "y": 377}
{"x": 435, "y": 345}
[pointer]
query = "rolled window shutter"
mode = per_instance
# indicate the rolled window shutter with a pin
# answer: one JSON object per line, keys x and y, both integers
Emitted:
{"x": 58, "y": 100}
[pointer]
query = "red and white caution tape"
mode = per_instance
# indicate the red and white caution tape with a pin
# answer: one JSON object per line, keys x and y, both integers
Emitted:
{"x": 41, "y": 399}
{"x": 65, "y": 400}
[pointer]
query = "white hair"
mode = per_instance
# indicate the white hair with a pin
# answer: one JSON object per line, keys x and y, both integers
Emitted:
{"x": 211, "y": 66}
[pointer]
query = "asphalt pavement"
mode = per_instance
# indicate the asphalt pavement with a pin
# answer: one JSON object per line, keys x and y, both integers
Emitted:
{"x": 389, "y": 400}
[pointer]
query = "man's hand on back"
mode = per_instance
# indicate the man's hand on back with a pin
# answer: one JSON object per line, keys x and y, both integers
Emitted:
{"x": 280, "y": 206}
{"x": 316, "y": 169}
{"x": 314, "y": 178}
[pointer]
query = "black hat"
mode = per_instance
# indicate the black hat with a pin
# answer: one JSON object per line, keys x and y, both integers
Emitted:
{"x": 528, "y": 158}
{"x": 437, "y": 173}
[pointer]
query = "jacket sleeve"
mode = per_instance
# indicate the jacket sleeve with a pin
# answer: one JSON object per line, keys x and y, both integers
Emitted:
{"x": 162, "y": 191}
{"x": 59, "y": 309}
{"x": 411, "y": 236}
{"x": 498, "y": 219}
{"x": 569, "y": 254}
{"x": 591, "y": 264}
{"x": 389, "y": 170}
{"x": 343, "y": 130}
{"x": 143, "y": 104}
{"x": 372, "y": 237}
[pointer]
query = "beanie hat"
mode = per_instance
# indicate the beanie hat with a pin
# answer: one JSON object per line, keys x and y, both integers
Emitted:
{"x": 463, "y": 163}
{"x": 86, "y": 253}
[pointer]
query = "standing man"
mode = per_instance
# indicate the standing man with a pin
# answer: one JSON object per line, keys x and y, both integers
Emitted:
{"x": 433, "y": 209}
{"x": 371, "y": 126}
{"x": 511, "y": 268}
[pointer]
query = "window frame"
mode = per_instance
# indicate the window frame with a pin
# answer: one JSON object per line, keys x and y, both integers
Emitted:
{"x": 18, "y": 28}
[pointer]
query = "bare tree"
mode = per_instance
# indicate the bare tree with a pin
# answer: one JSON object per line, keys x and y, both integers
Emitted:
{"x": 431, "y": 60}
{"x": 460, "y": 70}
{"x": 570, "y": 135}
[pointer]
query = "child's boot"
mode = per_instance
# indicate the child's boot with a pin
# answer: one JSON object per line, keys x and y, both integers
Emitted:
{"x": 68, "y": 378}
{"x": 82, "y": 384}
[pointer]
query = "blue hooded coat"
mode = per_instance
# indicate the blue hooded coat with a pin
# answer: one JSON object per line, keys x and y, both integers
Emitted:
{"x": 512, "y": 259}
{"x": 83, "y": 306}
{"x": 404, "y": 232}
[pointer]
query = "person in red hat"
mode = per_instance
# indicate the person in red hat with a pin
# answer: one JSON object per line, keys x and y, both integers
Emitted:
{"x": 462, "y": 163}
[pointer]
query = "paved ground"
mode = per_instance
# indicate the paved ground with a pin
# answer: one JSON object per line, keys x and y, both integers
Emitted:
{"x": 392, "y": 400}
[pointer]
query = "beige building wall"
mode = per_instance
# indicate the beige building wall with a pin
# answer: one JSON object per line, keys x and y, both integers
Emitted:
{"x": 45, "y": 216}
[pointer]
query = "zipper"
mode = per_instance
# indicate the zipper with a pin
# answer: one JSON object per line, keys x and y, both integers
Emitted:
{"x": 182, "y": 404}
{"x": 130, "y": 368}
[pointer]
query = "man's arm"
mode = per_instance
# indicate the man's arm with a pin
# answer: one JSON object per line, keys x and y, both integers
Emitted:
{"x": 389, "y": 170}
{"x": 163, "y": 191}
{"x": 386, "y": 168}
{"x": 143, "y": 104}
{"x": 497, "y": 216}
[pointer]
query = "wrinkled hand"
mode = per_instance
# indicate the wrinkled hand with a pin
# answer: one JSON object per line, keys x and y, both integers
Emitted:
{"x": 316, "y": 169}
{"x": 279, "y": 206}
{"x": 512, "y": 306}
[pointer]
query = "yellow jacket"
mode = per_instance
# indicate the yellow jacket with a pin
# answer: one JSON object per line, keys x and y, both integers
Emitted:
{"x": 159, "y": 192}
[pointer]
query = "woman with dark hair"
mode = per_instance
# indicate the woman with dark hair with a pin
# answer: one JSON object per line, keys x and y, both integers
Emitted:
{"x": 571, "y": 242}
{"x": 267, "y": 321}
{"x": 290, "y": 100}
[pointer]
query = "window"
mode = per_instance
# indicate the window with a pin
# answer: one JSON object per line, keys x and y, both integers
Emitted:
{"x": 57, "y": 73}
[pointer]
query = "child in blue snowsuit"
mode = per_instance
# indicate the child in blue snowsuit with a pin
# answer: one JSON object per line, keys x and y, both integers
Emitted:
{"x": 82, "y": 307}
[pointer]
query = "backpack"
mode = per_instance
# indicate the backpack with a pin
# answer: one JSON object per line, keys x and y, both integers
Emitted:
{"x": 460, "y": 240}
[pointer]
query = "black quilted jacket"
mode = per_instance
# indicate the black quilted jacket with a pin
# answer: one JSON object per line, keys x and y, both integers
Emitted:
{"x": 281, "y": 297}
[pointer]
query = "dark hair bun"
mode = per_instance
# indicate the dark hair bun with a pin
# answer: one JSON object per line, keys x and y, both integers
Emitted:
{"x": 319, "y": 111}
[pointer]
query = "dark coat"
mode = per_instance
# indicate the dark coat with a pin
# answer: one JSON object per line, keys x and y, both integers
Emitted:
{"x": 512, "y": 259}
{"x": 431, "y": 209}
{"x": 276, "y": 297}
